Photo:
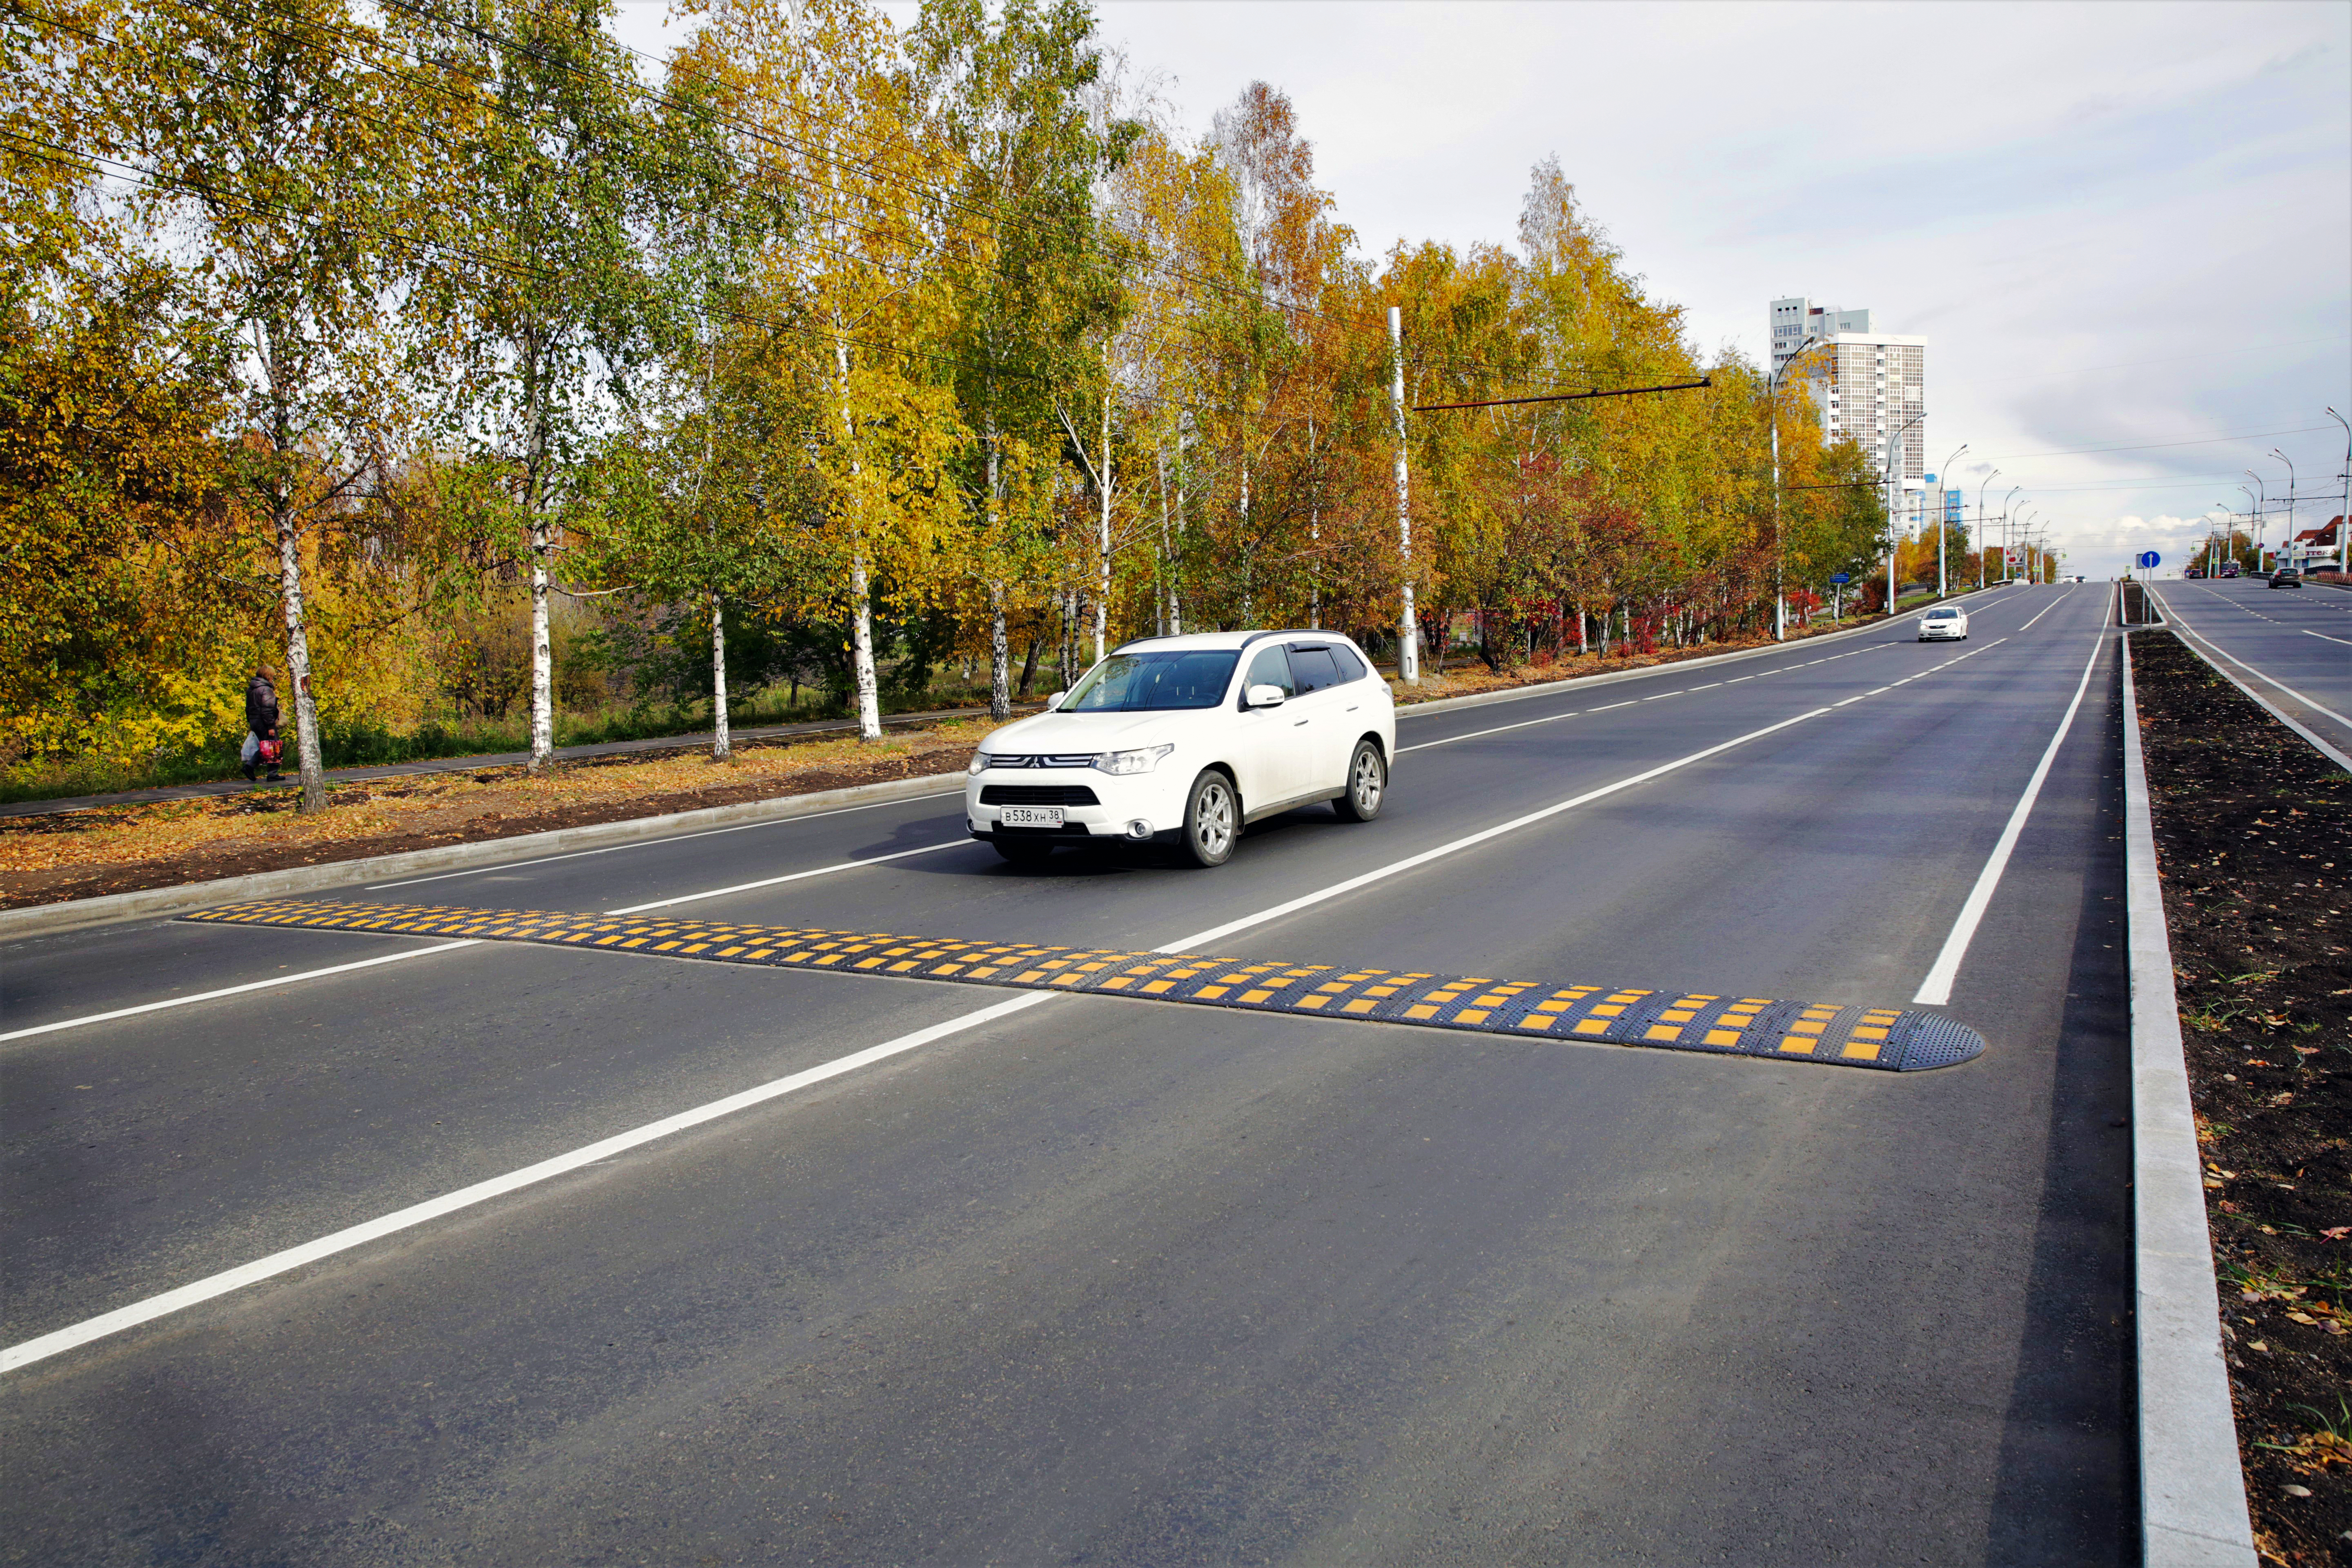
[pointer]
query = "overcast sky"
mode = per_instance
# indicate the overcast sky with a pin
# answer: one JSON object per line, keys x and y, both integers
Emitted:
{"x": 2117, "y": 224}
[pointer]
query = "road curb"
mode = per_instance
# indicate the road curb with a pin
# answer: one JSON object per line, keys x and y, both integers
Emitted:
{"x": 2192, "y": 1489}
{"x": 1550, "y": 687}
{"x": 46, "y": 920}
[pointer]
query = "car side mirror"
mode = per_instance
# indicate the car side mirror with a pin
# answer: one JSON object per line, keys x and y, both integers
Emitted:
{"x": 1264, "y": 697}
{"x": 1055, "y": 701}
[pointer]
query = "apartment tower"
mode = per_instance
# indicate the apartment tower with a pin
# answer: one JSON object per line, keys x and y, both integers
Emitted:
{"x": 1866, "y": 385}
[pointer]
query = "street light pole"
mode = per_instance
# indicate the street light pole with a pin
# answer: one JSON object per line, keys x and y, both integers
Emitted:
{"x": 2282, "y": 457}
{"x": 2005, "y": 531}
{"x": 1772, "y": 395}
{"x": 2344, "y": 527}
{"x": 1407, "y": 624}
{"x": 1894, "y": 490}
{"x": 1980, "y": 524}
{"x": 1940, "y": 587}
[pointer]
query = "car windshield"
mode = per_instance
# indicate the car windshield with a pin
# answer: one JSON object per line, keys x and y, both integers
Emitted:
{"x": 1943, "y": 615}
{"x": 1148, "y": 682}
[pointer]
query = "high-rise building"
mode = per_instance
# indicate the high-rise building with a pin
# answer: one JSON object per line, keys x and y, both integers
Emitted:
{"x": 1867, "y": 385}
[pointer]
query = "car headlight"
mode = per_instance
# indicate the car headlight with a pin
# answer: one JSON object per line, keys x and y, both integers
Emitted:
{"x": 1140, "y": 761}
{"x": 980, "y": 761}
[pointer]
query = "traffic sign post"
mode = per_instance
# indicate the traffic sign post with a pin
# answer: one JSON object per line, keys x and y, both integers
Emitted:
{"x": 1838, "y": 579}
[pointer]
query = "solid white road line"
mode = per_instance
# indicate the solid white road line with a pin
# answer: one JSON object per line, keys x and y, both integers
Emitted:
{"x": 2250, "y": 670}
{"x": 235, "y": 989}
{"x": 2045, "y": 610}
{"x": 444, "y": 947}
{"x": 2323, "y": 636}
{"x": 791, "y": 877}
{"x": 1936, "y": 989}
{"x": 655, "y": 843}
{"x": 294, "y": 1257}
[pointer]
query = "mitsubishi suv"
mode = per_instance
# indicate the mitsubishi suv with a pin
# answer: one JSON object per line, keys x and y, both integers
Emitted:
{"x": 1182, "y": 740}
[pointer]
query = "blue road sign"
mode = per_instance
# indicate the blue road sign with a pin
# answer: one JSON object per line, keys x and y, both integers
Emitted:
{"x": 2148, "y": 558}
{"x": 1839, "y": 577}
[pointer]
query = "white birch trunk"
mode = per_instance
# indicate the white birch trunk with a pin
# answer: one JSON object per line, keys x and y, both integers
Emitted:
{"x": 297, "y": 670}
{"x": 720, "y": 750}
{"x": 1408, "y": 628}
{"x": 542, "y": 655}
{"x": 861, "y": 611}
{"x": 1102, "y": 542}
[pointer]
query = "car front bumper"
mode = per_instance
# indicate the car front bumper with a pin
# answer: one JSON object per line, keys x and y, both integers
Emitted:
{"x": 1155, "y": 799}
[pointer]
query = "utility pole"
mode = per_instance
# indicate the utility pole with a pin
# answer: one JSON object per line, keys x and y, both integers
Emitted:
{"x": 1408, "y": 627}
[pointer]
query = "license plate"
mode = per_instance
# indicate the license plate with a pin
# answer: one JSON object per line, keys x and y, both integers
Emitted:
{"x": 1030, "y": 816}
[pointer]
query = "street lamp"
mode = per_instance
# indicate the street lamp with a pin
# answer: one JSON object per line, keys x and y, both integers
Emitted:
{"x": 1894, "y": 490}
{"x": 2005, "y": 530}
{"x": 2282, "y": 457}
{"x": 1772, "y": 393}
{"x": 1980, "y": 524}
{"x": 2254, "y": 520}
{"x": 2344, "y": 526}
{"x": 1940, "y": 589}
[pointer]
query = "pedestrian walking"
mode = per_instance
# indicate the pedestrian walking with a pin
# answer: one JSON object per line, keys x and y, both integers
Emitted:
{"x": 261, "y": 747}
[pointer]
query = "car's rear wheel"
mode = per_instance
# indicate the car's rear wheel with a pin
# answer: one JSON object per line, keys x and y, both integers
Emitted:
{"x": 1368, "y": 783}
{"x": 1023, "y": 851}
{"x": 1213, "y": 819}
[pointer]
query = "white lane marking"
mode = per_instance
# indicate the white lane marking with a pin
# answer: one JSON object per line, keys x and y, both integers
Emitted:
{"x": 1662, "y": 696}
{"x": 1737, "y": 679}
{"x": 2045, "y": 610}
{"x": 1936, "y": 990}
{"x": 1615, "y": 705}
{"x": 1708, "y": 686}
{"x": 2322, "y": 635}
{"x": 655, "y": 843}
{"x": 294, "y": 1257}
{"x": 2250, "y": 670}
{"x": 792, "y": 876}
{"x": 276, "y": 1263}
{"x": 235, "y": 989}
{"x": 1306, "y": 900}
{"x": 1524, "y": 723}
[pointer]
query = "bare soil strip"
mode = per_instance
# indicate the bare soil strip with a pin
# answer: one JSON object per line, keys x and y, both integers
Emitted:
{"x": 2253, "y": 829}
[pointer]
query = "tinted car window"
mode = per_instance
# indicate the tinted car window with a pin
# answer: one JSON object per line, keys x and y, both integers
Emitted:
{"x": 1351, "y": 666}
{"x": 1270, "y": 669}
{"x": 1312, "y": 668}
{"x": 1148, "y": 682}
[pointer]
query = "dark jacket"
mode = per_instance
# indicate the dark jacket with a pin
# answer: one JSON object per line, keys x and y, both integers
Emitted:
{"x": 261, "y": 706}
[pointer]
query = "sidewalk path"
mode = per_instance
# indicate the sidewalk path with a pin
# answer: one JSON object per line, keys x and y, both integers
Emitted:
{"x": 481, "y": 760}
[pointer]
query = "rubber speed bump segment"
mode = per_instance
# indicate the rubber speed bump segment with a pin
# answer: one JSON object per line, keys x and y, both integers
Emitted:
{"x": 1888, "y": 1039}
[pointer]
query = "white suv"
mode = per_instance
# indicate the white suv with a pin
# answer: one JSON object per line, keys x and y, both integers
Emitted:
{"x": 1184, "y": 740}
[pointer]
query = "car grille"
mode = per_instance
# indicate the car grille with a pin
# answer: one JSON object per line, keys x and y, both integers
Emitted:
{"x": 1036, "y": 794}
{"x": 1020, "y": 760}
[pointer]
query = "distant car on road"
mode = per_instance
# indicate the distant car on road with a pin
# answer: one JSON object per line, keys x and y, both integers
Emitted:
{"x": 2191, "y": 573}
{"x": 2229, "y": 569}
{"x": 1183, "y": 740}
{"x": 2286, "y": 577}
{"x": 1944, "y": 623}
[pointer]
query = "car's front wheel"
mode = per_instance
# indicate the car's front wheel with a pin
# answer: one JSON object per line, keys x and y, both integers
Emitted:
{"x": 1368, "y": 783}
{"x": 1213, "y": 819}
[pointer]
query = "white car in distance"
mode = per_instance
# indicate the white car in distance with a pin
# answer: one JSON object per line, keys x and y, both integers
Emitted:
{"x": 1945, "y": 622}
{"x": 1183, "y": 740}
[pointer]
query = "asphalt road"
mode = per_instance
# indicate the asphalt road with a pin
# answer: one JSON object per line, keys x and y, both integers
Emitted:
{"x": 1107, "y": 1280}
{"x": 2293, "y": 645}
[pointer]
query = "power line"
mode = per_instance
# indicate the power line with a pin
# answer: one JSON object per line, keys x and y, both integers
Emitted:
{"x": 1563, "y": 396}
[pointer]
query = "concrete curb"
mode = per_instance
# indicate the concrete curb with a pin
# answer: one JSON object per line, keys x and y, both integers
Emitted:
{"x": 46, "y": 920}
{"x": 1550, "y": 688}
{"x": 2182, "y": 630}
{"x": 2192, "y": 1490}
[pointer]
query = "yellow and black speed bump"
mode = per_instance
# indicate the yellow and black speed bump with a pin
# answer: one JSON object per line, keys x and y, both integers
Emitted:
{"x": 1894, "y": 1039}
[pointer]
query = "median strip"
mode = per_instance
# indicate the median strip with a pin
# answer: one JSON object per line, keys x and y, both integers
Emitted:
{"x": 1891, "y": 1039}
